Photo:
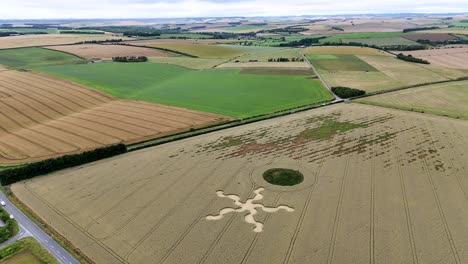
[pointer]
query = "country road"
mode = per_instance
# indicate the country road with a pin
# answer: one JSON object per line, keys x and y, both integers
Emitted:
{"x": 29, "y": 228}
{"x": 337, "y": 98}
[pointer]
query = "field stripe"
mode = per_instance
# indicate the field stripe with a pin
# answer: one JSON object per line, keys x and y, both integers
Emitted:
{"x": 337, "y": 220}
{"x": 201, "y": 216}
{"x": 299, "y": 224}
{"x": 162, "y": 220}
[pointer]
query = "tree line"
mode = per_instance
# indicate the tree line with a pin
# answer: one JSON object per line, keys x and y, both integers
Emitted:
{"x": 31, "y": 170}
{"x": 280, "y": 59}
{"x": 130, "y": 59}
{"x": 11, "y": 226}
{"x": 410, "y": 58}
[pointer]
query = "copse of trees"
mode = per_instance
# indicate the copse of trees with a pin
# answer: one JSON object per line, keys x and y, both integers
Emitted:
{"x": 346, "y": 92}
{"x": 410, "y": 58}
{"x": 130, "y": 59}
{"x": 31, "y": 170}
{"x": 11, "y": 226}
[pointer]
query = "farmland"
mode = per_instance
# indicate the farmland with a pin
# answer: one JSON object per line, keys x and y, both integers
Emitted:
{"x": 44, "y": 117}
{"x": 191, "y": 63}
{"x": 431, "y": 37}
{"x": 27, "y": 58}
{"x": 372, "y": 70}
{"x": 225, "y": 92}
{"x": 451, "y": 57}
{"x": 448, "y": 99}
{"x": 270, "y": 54}
{"x": 47, "y": 40}
{"x": 200, "y": 50}
{"x": 378, "y": 184}
{"x": 382, "y": 42}
{"x": 337, "y": 38}
{"x": 92, "y": 51}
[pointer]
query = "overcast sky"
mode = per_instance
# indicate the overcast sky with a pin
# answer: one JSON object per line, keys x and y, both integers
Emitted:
{"x": 18, "y": 9}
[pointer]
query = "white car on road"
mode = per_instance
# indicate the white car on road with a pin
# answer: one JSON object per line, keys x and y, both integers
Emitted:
{"x": 3, "y": 203}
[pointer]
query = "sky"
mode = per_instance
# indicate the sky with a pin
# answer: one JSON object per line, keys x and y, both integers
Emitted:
{"x": 38, "y": 9}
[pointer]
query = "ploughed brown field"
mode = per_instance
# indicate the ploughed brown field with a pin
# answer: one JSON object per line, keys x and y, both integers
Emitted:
{"x": 380, "y": 186}
{"x": 43, "y": 117}
{"x": 91, "y": 51}
{"x": 430, "y": 37}
{"x": 455, "y": 57}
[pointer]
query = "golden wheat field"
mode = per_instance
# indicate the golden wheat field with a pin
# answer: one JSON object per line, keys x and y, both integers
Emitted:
{"x": 48, "y": 39}
{"x": 43, "y": 117}
{"x": 380, "y": 186}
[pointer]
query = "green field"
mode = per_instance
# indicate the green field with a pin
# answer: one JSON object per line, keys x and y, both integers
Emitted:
{"x": 200, "y": 50}
{"x": 366, "y": 35}
{"x": 339, "y": 63}
{"x": 190, "y": 63}
{"x": 382, "y": 42}
{"x": 225, "y": 92}
{"x": 26, "y": 58}
{"x": 460, "y": 24}
{"x": 274, "y": 41}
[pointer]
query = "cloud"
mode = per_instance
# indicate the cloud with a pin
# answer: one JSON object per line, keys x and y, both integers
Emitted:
{"x": 12, "y": 9}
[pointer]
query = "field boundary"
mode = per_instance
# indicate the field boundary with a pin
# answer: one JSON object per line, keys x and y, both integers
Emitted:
{"x": 162, "y": 49}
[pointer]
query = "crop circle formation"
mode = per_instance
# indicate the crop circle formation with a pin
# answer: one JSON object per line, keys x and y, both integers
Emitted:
{"x": 283, "y": 177}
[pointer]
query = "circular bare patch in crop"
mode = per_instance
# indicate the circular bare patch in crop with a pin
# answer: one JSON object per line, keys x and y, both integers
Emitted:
{"x": 283, "y": 177}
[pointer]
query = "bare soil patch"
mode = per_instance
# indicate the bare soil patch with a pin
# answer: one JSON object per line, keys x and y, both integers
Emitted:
{"x": 430, "y": 37}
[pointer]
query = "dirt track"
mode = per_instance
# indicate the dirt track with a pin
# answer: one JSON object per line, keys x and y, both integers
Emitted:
{"x": 43, "y": 117}
{"x": 381, "y": 186}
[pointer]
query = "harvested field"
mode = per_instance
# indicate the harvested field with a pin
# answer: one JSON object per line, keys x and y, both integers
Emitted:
{"x": 454, "y": 57}
{"x": 264, "y": 65}
{"x": 278, "y": 71}
{"x": 191, "y": 63}
{"x": 337, "y": 50}
{"x": 404, "y": 72}
{"x": 44, "y": 117}
{"x": 447, "y": 99}
{"x": 379, "y": 184}
{"x": 47, "y": 39}
{"x": 264, "y": 56}
{"x": 430, "y": 37}
{"x": 383, "y": 42}
{"x": 200, "y": 50}
{"x": 149, "y": 42}
{"x": 95, "y": 51}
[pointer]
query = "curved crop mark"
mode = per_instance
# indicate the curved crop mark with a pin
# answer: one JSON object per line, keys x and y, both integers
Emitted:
{"x": 248, "y": 206}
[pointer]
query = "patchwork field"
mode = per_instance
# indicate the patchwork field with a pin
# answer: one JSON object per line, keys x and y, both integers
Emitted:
{"x": 373, "y": 71}
{"x": 447, "y": 99}
{"x": 44, "y": 117}
{"x": 48, "y": 39}
{"x": 200, "y": 50}
{"x": 94, "y": 51}
{"x": 452, "y": 57}
{"x": 220, "y": 91}
{"x": 379, "y": 184}
{"x": 26, "y": 58}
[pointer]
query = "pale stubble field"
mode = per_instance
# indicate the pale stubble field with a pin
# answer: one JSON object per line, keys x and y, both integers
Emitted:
{"x": 381, "y": 186}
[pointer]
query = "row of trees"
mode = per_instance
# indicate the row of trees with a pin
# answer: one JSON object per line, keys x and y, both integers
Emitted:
{"x": 410, "y": 58}
{"x": 346, "y": 92}
{"x": 130, "y": 59}
{"x": 31, "y": 170}
{"x": 406, "y": 30}
{"x": 302, "y": 42}
{"x": 284, "y": 59}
